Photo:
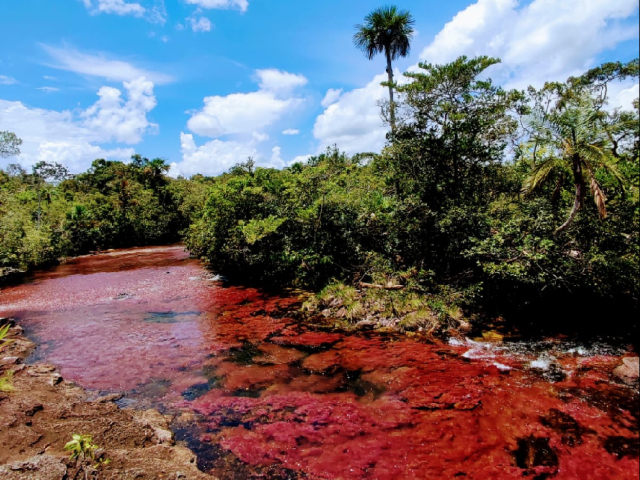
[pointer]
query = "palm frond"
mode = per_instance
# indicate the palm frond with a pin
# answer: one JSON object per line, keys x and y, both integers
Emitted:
{"x": 598, "y": 196}
{"x": 541, "y": 173}
{"x": 386, "y": 28}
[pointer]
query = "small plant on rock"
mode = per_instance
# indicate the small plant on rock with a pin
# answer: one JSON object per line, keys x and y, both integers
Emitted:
{"x": 4, "y": 332}
{"x": 81, "y": 447}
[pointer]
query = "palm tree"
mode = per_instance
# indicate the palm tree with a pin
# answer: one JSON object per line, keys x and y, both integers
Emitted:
{"x": 574, "y": 142}
{"x": 386, "y": 30}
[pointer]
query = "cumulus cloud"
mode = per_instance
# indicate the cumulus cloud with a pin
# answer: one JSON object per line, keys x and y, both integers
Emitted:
{"x": 242, "y": 117}
{"x": 332, "y": 96}
{"x": 119, "y": 120}
{"x": 278, "y": 81}
{"x": 291, "y": 131}
{"x": 221, "y": 4}
{"x": 98, "y": 65}
{"x": 212, "y": 158}
{"x": 73, "y": 137}
{"x": 537, "y": 41}
{"x": 259, "y": 137}
{"x": 622, "y": 94}
{"x": 353, "y": 122}
{"x": 245, "y": 113}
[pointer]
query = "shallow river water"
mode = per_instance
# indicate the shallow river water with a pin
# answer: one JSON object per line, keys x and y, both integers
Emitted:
{"x": 257, "y": 395}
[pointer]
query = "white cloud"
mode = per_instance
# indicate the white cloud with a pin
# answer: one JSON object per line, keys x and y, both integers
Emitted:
{"x": 278, "y": 81}
{"x": 622, "y": 94}
{"x": 71, "y": 137}
{"x": 212, "y": 158}
{"x": 245, "y": 113}
{"x": 259, "y": 137}
{"x": 119, "y": 7}
{"x": 156, "y": 14}
{"x": 332, "y": 96}
{"x": 276, "y": 160}
{"x": 48, "y": 89}
{"x": 223, "y": 4}
{"x": 4, "y": 80}
{"x": 199, "y": 23}
{"x": 540, "y": 41}
{"x": 99, "y": 66}
{"x": 354, "y": 122}
{"x": 537, "y": 41}
{"x": 291, "y": 131}
{"x": 119, "y": 120}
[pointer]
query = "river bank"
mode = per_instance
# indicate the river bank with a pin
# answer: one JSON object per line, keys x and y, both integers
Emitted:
{"x": 43, "y": 410}
{"x": 255, "y": 393}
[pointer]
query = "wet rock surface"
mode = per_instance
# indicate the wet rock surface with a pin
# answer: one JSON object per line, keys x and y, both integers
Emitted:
{"x": 629, "y": 370}
{"x": 228, "y": 372}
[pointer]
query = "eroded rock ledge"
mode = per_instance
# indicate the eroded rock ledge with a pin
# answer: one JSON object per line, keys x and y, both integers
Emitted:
{"x": 43, "y": 412}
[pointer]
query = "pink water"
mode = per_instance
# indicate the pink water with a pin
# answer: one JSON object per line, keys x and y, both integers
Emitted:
{"x": 258, "y": 395}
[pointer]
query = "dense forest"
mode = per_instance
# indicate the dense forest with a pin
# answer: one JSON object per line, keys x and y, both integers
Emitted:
{"x": 485, "y": 202}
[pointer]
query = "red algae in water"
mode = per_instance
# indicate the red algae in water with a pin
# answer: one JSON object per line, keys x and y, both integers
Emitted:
{"x": 268, "y": 392}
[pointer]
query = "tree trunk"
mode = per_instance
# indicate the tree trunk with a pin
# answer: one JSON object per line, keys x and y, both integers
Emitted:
{"x": 392, "y": 107}
{"x": 580, "y": 193}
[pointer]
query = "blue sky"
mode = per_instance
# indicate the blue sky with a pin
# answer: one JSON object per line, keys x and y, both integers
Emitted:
{"x": 206, "y": 83}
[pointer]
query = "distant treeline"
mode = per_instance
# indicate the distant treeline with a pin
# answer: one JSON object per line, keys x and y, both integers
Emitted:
{"x": 47, "y": 213}
{"x": 503, "y": 201}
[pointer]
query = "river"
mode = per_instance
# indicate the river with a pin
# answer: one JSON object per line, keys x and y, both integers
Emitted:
{"x": 256, "y": 394}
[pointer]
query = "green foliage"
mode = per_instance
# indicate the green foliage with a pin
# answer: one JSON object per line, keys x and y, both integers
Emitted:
{"x": 386, "y": 30}
{"x": 460, "y": 211}
{"x": 81, "y": 447}
{"x": 48, "y": 213}
{"x": 466, "y": 208}
{"x": 4, "y": 331}
{"x": 405, "y": 309}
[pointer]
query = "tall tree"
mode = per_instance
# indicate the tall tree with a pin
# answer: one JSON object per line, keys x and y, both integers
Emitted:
{"x": 390, "y": 31}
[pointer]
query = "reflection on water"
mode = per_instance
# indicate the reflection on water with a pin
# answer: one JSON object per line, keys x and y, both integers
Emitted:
{"x": 257, "y": 395}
